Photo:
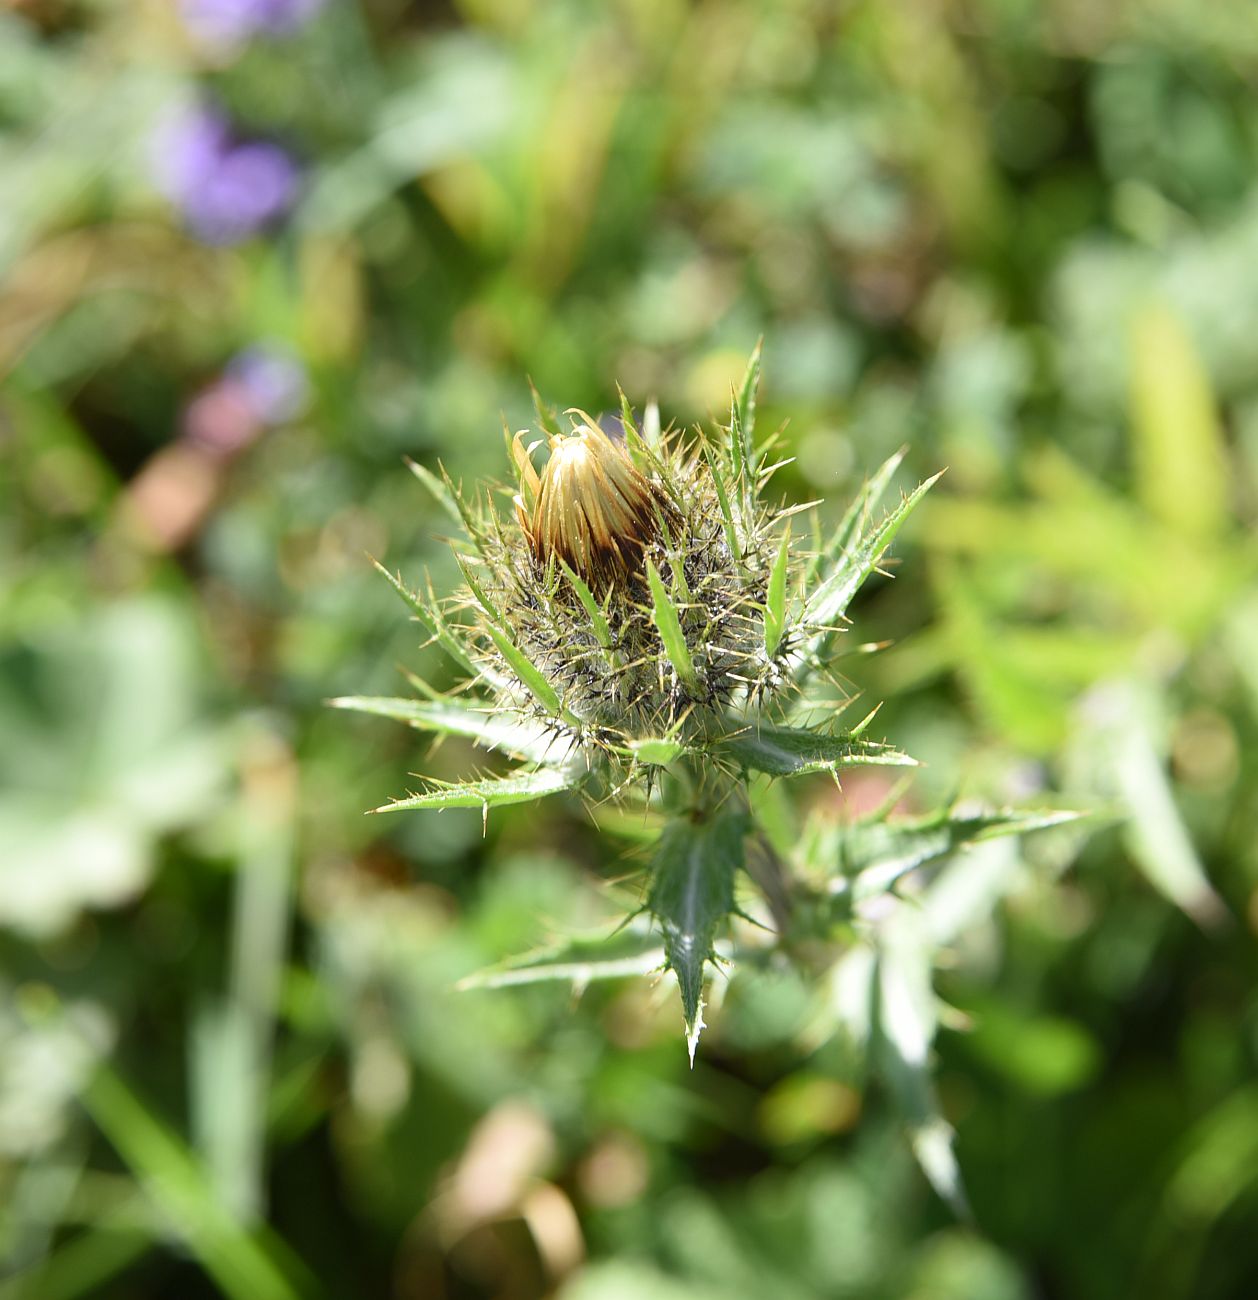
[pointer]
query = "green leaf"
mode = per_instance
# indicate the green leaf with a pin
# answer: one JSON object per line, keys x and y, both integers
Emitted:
{"x": 631, "y": 949}
{"x": 775, "y": 598}
{"x": 830, "y": 600}
{"x": 429, "y": 615}
{"x": 452, "y": 497}
{"x": 441, "y": 490}
{"x": 546, "y": 416}
{"x": 495, "y": 730}
{"x": 527, "y": 672}
{"x": 598, "y": 620}
{"x": 907, "y": 1021}
{"x": 873, "y": 855}
{"x": 793, "y": 751}
{"x": 656, "y": 749}
{"x": 494, "y": 792}
{"x": 243, "y": 1264}
{"x": 741, "y": 426}
{"x": 692, "y": 892}
{"x": 722, "y": 496}
{"x": 668, "y": 623}
{"x": 743, "y": 416}
{"x": 857, "y": 515}
{"x": 1178, "y": 445}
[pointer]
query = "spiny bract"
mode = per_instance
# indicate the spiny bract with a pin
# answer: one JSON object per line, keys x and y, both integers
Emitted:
{"x": 641, "y": 626}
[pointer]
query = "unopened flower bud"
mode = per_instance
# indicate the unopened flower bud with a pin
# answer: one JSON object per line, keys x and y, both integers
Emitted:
{"x": 593, "y": 508}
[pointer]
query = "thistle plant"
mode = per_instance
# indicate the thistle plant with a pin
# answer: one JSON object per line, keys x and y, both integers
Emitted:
{"x": 641, "y": 626}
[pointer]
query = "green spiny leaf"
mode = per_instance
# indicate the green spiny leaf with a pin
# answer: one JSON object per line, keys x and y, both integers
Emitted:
{"x": 831, "y": 599}
{"x": 744, "y": 412}
{"x": 692, "y": 892}
{"x": 527, "y": 672}
{"x": 631, "y": 949}
{"x": 668, "y": 624}
{"x": 441, "y": 489}
{"x": 467, "y": 517}
{"x": 505, "y": 732}
{"x": 546, "y": 416}
{"x": 598, "y": 620}
{"x": 722, "y": 496}
{"x": 494, "y": 792}
{"x": 853, "y": 521}
{"x": 792, "y": 751}
{"x": 775, "y": 598}
{"x": 873, "y": 855}
{"x": 428, "y": 614}
{"x": 657, "y": 750}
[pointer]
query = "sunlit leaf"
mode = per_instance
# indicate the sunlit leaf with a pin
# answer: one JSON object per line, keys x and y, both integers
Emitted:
{"x": 791, "y": 751}
{"x": 579, "y": 960}
{"x": 495, "y": 792}
{"x": 495, "y": 730}
{"x": 692, "y": 892}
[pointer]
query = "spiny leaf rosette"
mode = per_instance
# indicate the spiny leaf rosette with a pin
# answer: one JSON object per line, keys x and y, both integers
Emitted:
{"x": 641, "y": 626}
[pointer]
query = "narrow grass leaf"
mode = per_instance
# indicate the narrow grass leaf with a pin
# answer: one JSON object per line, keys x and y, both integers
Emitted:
{"x": 241, "y": 1263}
{"x": 1178, "y": 445}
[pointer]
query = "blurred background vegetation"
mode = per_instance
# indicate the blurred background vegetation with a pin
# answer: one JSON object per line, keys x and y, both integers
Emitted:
{"x": 253, "y": 252}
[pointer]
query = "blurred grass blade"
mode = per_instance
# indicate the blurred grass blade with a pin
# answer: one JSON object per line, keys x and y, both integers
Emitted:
{"x": 455, "y": 718}
{"x": 494, "y": 792}
{"x": 787, "y": 751}
{"x": 692, "y": 892}
{"x": 1180, "y": 455}
{"x": 1116, "y": 752}
{"x": 668, "y": 624}
{"x": 241, "y": 1263}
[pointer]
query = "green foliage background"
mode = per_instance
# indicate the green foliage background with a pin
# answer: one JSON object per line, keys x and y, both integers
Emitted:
{"x": 1021, "y": 238}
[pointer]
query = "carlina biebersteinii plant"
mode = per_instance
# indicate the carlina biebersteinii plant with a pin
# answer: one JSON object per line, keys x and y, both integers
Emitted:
{"x": 642, "y": 627}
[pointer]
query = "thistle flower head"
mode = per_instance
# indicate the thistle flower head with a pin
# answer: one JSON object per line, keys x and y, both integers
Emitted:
{"x": 644, "y": 628}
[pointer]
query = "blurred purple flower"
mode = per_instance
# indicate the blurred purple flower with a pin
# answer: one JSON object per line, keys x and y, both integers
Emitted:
{"x": 226, "y": 189}
{"x": 275, "y": 382}
{"x": 259, "y": 388}
{"x": 231, "y": 22}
